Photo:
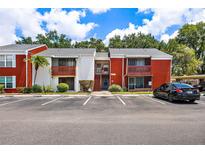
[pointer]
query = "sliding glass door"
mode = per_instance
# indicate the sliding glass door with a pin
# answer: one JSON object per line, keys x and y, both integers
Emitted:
{"x": 136, "y": 82}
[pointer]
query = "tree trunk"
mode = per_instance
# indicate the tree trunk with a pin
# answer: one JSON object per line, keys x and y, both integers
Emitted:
{"x": 35, "y": 77}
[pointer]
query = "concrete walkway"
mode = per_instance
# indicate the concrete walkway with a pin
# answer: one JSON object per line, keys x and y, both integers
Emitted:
{"x": 101, "y": 93}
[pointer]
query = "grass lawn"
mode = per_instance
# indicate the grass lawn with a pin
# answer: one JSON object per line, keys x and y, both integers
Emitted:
{"x": 65, "y": 93}
{"x": 51, "y": 93}
{"x": 133, "y": 93}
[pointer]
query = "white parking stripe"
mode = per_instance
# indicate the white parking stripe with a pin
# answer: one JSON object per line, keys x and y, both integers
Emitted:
{"x": 14, "y": 102}
{"x": 87, "y": 100}
{"x": 51, "y": 101}
{"x": 121, "y": 100}
{"x": 155, "y": 100}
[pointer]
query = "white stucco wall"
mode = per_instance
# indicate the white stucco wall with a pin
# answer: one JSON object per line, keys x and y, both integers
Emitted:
{"x": 86, "y": 68}
{"x": 84, "y": 71}
{"x": 43, "y": 75}
{"x": 54, "y": 83}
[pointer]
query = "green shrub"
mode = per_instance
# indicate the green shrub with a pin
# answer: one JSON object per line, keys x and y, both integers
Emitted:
{"x": 36, "y": 88}
{"x": 1, "y": 88}
{"x": 115, "y": 88}
{"x": 27, "y": 90}
{"x": 47, "y": 89}
{"x": 86, "y": 85}
{"x": 20, "y": 89}
{"x": 62, "y": 87}
{"x": 124, "y": 89}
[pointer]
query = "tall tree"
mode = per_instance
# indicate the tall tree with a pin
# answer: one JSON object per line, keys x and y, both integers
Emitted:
{"x": 134, "y": 41}
{"x": 115, "y": 42}
{"x": 184, "y": 61}
{"x": 25, "y": 40}
{"x": 193, "y": 36}
{"x": 92, "y": 43}
{"x": 38, "y": 61}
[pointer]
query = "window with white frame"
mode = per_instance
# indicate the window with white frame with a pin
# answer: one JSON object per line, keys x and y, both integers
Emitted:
{"x": 7, "y": 60}
{"x": 8, "y": 81}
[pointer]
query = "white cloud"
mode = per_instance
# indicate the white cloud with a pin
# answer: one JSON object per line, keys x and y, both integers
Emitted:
{"x": 98, "y": 10}
{"x": 167, "y": 37}
{"x": 121, "y": 32}
{"x": 29, "y": 22}
{"x": 162, "y": 20}
{"x": 68, "y": 23}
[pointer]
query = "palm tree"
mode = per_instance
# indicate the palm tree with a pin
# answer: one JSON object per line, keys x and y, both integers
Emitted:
{"x": 38, "y": 61}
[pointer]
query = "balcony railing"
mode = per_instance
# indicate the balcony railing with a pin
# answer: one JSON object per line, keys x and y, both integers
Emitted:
{"x": 64, "y": 70}
{"x": 139, "y": 70}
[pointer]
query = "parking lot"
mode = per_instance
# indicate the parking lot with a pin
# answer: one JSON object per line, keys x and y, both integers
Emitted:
{"x": 139, "y": 119}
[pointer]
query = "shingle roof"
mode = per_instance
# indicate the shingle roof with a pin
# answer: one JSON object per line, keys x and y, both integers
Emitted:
{"x": 60, "y": 52}
{"x": 18, "y": 48}
{"x": 128, "y": 52}
{"x": 102, "y": 54}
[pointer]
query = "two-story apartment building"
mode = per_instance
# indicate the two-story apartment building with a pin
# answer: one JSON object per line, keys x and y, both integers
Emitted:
{"x": 135, "y": 69}
{"x": 67, "y": 65}
{"x": 15, "y": 69}
{"x": 139, "y": 69}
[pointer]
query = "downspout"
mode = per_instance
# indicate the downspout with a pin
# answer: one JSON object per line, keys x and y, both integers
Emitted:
{"x": 122, "y": 72}
{"x": 26, "y": 68}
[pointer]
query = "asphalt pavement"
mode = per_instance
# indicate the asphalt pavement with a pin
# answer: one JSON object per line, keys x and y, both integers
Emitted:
{"x": 100, "y": 120}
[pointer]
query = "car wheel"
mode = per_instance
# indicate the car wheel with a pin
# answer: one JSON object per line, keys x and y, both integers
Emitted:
{"x": 155, "y": 95}
{"x": 192, "y": 101}
{"x": 170, "y": 98}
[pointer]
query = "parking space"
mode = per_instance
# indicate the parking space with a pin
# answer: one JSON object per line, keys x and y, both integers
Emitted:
{"x": 100, "y": 120}
{"x": 92, "y": 102}
{"x": 101, "y": 103}
{"x": 64, "y": 103}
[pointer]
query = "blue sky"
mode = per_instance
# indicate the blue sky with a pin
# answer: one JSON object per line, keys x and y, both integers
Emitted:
{"x": 112, "y": 19}
{"x": 82, "y": 23}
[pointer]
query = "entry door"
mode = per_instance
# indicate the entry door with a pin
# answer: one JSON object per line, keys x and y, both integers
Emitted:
{"x": 68, "y": 80}
{"x": 105, "y": 82}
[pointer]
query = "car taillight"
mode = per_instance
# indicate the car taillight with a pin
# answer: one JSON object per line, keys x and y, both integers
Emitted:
{"x": 179, "y": 91}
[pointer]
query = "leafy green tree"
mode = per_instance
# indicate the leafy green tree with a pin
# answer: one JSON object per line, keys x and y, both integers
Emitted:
{"x": 134, "y": 41}
{"x": 92, "y": 43}
{"x": 38, "y": 61}
{"x": 25, "y": 40}
{"x": 184, "y": 61}
{"x": 115, "y": 42}
{"x": 193, "y": 36}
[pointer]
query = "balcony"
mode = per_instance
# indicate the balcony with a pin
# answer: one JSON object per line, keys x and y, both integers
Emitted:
{"x": 64, "y": 70}
{"x": 139, "y": 70}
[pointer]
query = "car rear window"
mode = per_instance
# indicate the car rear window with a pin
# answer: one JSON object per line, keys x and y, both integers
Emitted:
{"x": 181, "y": 85}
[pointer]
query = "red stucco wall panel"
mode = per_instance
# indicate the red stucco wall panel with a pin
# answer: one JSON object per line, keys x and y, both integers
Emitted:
{"x": 116, "y": 71}
{"x": 160, "y": 72}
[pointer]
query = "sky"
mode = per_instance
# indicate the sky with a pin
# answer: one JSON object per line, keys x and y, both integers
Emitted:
{"x": 83, "y": 23}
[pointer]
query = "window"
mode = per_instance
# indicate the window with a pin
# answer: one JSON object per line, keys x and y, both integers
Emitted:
{"x": 7, "y": 60}
{"x": 106, "y": 68}
{"x": 136, "y": 62}
{"x": 98, "y": 68}
{"x": 63, "y": 62}
{"x": 182, "y": 85}
{"x": 131, "y": 83}
{"x": 8, "y": 81}
{"x": 136, "y": 82}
